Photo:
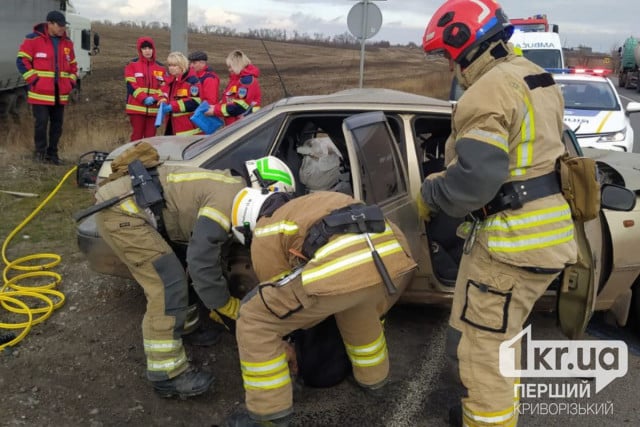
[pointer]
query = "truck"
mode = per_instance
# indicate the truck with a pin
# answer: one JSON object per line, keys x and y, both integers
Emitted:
{"x": 536, "y": 23}
{"x": 629, "y": 71}
{"x": 543, "y": 48}
{"x": 17, "y": 18}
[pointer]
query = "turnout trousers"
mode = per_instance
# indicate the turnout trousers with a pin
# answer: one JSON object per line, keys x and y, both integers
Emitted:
{"x": 157, "y": 269}
{"x": 492, "y": 300}
{"x": 269, "y": 313}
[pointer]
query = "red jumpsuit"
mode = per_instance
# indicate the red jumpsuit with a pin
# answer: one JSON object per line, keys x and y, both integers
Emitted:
{"x": 144, "y": 77}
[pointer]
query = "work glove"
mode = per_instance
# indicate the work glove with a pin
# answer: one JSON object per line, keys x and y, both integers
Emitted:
{"x": 423, "y": 209}
{"x": 149, "y": 101}
{"x": 166, "y": 108}
{"x": 227, "y": 314}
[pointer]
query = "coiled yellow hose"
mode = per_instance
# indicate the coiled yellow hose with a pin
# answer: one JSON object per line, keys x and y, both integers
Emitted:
{"x": 33, "y": 266}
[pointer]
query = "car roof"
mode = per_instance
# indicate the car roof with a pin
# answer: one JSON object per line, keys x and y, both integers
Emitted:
{"x": 366, "y": 96}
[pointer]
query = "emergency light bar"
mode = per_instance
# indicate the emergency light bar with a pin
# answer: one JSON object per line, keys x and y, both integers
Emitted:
{"x": 604, "y": 72}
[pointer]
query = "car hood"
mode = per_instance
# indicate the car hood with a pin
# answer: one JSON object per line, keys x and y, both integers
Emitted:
{"x": 589, "y": 122}
{"x": 627, "y": 164}
{"x": 169, "y": 147}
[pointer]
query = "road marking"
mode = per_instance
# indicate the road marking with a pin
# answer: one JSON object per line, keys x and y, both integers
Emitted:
{"x": 411, "y": 403}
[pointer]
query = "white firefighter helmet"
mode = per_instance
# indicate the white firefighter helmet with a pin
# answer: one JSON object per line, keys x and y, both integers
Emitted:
{"x": 245, "y": 211}
{"x": 271, "y": 173}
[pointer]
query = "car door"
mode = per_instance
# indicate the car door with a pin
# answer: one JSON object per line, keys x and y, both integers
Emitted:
{"x": 377, "y": 172}
{"x": 578, "y": 285}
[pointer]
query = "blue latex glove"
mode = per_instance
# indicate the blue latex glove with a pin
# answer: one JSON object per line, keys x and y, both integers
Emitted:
{"x": 166, "y": 108}
{"x": 148, "y": 101}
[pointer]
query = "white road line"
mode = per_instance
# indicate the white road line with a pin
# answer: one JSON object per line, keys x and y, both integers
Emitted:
{"x": 411, "y": 402}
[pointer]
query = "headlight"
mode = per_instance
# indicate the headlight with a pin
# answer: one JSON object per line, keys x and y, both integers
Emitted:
{"x": 614, "y": 136}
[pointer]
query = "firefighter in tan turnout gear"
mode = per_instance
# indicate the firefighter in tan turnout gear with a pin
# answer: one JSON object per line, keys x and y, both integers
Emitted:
{"x": 506, "y": 136}
{"x": 157, "y": 204}
{"x": 312, "y": 258}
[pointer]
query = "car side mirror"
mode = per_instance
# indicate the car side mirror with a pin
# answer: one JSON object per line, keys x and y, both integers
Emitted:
{"x": 617, "y": 198}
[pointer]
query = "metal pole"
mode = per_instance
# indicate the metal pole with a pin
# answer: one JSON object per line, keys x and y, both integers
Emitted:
{"x": 365, "y": 5}
{"x": 179, "y": 26}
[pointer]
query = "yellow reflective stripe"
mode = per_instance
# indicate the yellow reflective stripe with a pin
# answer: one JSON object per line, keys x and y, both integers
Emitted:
{"x": 502, "y": 418}
{"x": 205, "y": 175}
{"x": 241, "y": 103}
{"x": 181, "y": 107}
{"x": 224, "y": 111}
{"x": 528, "y": 220}
{"x": 162, "y": 346}
{"x": 604, "y": 120}
{"x": 167, "y": 364}
{"x": 282, "y": 227}
{"x": 129, "y": 206}
{"x": 29, "y": 74}
{"x": 348, "y": 240}
{"x": 268, "y": 367}
{"x": 524, "y": 150}
{"x": 181, "y": 114}
{"x": 499, "y": 141}
{"x": 348, "y": 261}
{"x": 130, "y": 79}
{"x": 22, "y": 54}
{"x": 139, "y": 91}
{"x": 216, "y": 216}
{"x": 67, "y": 75}
{"x": 267, "y": 383}
{"x": 42, "y": 73}
{"x": 138, "y": 108}
{"x": 531, "y": 241}
{"x": 38, "y": 96}
{"x": 371, "y": 354}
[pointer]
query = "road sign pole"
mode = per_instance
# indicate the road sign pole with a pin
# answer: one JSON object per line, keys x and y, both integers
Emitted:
{"x": 362, "y": 40}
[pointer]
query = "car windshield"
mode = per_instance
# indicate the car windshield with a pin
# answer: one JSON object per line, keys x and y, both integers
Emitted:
{"x": 546, "y": 58}
{"x": 588, "y": 95}
{"x": 204, "y": 144}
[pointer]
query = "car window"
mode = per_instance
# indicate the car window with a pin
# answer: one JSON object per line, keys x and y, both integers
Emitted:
{"x": 251, "y": 146}
{"x": 380, "y": 168}
{"x": 588, "y": 95}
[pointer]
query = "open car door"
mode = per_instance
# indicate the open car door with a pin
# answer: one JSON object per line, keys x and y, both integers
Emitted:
{"x": 577, "y": 291}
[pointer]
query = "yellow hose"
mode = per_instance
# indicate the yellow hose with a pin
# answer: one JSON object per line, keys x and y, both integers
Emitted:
{"x": 12, "y": 294}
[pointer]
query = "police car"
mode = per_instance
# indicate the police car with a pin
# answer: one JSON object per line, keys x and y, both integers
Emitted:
{"x": 593, "y": 110}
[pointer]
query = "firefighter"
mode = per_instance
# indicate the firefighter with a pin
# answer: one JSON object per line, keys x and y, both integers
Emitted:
{"x": 309, "y": 272}
{"x": 172, "y": 204}
{"x": 506, "y": 137}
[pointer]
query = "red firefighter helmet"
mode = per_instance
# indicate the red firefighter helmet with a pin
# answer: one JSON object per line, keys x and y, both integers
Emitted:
{"x": 459, "y": 25}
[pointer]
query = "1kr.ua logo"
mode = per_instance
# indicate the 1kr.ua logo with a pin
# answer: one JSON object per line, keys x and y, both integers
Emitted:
{"x": 602, "y": 360}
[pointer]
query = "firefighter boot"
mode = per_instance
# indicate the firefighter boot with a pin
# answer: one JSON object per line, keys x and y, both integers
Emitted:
{"x": 243, "y": 419}
{"x": 187, "y": 384}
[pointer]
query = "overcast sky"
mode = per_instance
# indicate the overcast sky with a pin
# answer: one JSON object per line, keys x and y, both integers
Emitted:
{"x": 600, "y": 24}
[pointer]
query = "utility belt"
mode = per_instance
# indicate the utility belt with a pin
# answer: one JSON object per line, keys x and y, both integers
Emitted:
{"x": 342, "y": 221}
{"x": 513, "y": 195}
{"x": 148, "y": 192}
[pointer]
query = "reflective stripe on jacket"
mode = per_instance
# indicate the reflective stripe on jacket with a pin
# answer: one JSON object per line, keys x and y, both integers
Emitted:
{"x": 506, "y": 127}
{"x": 242, "y": 95}
{"x": 184, "y": 97}
{"x": 145, "y": 78}
{"x": 343, "y": 265}
{"x": 36, "y": 62}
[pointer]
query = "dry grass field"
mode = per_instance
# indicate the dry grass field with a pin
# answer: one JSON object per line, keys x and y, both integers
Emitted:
{"x": 98, "y": 121}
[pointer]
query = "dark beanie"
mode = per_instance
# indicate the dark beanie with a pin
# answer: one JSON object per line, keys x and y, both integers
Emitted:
{"x": 146, "y": 43}
{"x": 198, "y": 55}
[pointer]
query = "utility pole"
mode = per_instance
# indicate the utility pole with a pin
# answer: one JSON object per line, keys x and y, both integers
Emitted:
{"x": 179, "y": 26}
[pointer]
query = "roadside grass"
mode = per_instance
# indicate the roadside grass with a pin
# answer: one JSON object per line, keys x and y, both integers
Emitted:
{"x": 52, "y": 229}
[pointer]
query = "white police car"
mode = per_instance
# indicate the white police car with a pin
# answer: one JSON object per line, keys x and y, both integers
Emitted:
{"x": 592, "y": 108}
